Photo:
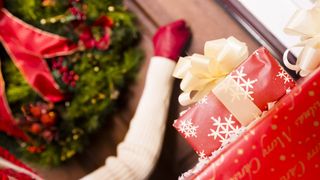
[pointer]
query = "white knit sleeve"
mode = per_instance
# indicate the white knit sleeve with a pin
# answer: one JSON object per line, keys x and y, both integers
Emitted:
{"x": 139, "y": 151}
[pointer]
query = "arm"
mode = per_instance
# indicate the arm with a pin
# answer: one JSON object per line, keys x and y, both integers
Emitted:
{"x": 139, "y": 152}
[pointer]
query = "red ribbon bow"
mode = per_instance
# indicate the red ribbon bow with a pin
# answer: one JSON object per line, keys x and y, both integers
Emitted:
{"x": 28, "y": 46}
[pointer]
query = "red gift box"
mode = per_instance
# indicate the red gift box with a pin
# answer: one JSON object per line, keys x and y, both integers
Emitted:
{"x": 284, "y": 145}
{"x": 210, "y": 122}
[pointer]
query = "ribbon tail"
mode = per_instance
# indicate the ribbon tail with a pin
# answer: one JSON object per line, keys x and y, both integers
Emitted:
{"x": 286, "y": 62}
{"x": 36, "y": 72}
{"x": 305, "y": 24}
{"x": 27, "y": 46}
{"x": 7, "y": 122}
{"x": 35, "y": 40}
{"x": 309, "y": 60}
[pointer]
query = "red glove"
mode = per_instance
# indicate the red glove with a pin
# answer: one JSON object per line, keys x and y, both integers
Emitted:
{"x": 170, "y": 40}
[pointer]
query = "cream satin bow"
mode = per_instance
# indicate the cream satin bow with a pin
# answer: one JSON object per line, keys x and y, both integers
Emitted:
{"x": 200, "y": 73}
{"x": 306, "y": 24}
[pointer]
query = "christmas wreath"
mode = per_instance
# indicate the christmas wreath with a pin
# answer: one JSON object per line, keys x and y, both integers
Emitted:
{"x": 64, "y": 64}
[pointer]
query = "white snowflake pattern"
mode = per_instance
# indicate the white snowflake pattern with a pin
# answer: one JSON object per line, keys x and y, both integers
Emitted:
{"x": 243, "y": 87}
{"x": 234, "y": 91}
{"x": 201, "y": 163}
{"x": 187, "y": 128}
{"x": 244, "y": 83}
{"x": 204, "y": 100}
{"x": 224, "y": 130}
{"x": 284, "y": 75}
{"x": 201, "y": 155}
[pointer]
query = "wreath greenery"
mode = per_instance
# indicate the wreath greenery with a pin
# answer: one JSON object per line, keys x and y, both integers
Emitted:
{"x": 92, "y": 77}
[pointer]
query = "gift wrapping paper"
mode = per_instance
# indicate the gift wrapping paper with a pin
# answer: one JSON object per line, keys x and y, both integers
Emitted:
{"x": 284, "y": 145}
{"x": 236, "y": 101}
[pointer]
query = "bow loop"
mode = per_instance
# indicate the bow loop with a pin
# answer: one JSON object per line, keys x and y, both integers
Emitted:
{"x": 200, "y": 73}
{"x": 225, "y": 54}
{"x": 28, "y": 46}
{"x": 305, "y": 24}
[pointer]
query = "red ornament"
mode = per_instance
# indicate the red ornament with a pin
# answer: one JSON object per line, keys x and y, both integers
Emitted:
{"x": 48, "y": 3}
{"x": 47, "y": 135}
{"x": 35, "y": 111}
{"x": 48, "y": 119}
{"x": 50, "y": 106}
{"x": 35, "y": 128}
{"x": 76, "y": 77}
{"x": 35, "y": 149}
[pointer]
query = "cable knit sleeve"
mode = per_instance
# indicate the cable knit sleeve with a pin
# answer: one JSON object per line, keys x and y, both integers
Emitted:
{"x": 139, "y": 151}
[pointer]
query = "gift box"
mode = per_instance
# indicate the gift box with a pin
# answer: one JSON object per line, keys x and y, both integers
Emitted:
{"x": 234, "y": 102}
{"x": 283, "y": 145}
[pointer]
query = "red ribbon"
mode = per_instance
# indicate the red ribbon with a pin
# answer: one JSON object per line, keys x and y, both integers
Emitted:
{"x": 5, "y": 172}
{"x": 28, "y": 46}
{"x": 87, "y": 38}
{"x": 7, "y": 123}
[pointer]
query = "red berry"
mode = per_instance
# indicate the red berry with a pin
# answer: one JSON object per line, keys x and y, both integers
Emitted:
{"x": 63, "y": 70}
{"x": 76, "y": 77}
{"x": 65, "y": 78}
{"x": 35, "y": 128}
{"x": 73, "y": 84}
{"x": 48, "y": 119}
{"x": 70, "y": 78}
{"x": 35, "y": 111}
{"x": 35, "y": 149}
{"x": 50, "y": 106}
{"x": 47, "y": 135}
{"x": 32, "y": 149}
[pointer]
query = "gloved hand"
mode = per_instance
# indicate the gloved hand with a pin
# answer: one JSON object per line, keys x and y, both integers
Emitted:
{"x": 170, "y": 40}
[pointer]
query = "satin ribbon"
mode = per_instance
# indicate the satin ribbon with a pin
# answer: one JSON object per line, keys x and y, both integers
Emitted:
{"x": 242, "y": 107}
{"x": 20, "y": 170}
{"x": 87, "y": 39}
{"x": 200, "y": 74}
{"x": 7, "y": 123}
{"x": 28, "y": 46}
{"x": 306, "y": 24}
{"x": 5, "y": 164}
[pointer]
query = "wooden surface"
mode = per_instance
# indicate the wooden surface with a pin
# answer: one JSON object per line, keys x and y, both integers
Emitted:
{"x": 207, "y": 21}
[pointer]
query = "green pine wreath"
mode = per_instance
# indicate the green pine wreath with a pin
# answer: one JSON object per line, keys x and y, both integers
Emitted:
{"x": 92, "y": 78}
